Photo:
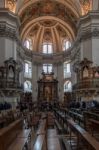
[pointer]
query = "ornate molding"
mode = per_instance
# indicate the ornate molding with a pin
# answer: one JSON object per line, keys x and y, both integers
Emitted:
{"x": 6, "y": 31}
{"x": 11, "y": 5}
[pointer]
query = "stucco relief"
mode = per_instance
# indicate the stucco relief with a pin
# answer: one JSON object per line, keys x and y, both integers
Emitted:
{"x": 11, "y": 5}
{"x": 86, "y": 6}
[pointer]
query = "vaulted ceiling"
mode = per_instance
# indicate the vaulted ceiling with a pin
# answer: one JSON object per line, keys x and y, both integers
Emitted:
{"x": 49, "y": 20}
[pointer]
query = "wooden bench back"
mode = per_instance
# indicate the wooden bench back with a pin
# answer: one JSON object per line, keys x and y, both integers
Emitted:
{"x": 40, "y": 143}
{"x": 90, "y": 141}
{"x": 42, "y": 127}
{"x": 53, "y": 140}
{"x": 8, "y": 134}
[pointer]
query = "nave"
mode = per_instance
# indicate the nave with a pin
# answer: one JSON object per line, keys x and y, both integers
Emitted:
{"x": 54, "y": 129}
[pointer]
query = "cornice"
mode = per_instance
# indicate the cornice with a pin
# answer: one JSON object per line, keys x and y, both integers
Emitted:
{"x": 6, "y": 31}
{"x": 88, "y": 26}
{"x": 87, "y": 34}
{"x": 6, "y": 14}
{"x": 87, "y": 18}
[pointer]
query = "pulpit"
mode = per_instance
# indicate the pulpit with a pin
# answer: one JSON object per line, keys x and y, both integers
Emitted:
{"x": 47, "y": 88}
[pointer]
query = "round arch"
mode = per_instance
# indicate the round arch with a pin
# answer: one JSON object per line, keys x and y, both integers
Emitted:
{"x": 73, "y": 6}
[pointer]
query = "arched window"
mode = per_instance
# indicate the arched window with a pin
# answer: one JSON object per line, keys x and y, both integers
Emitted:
{"x": 28, "y": 69}
{"x": 28, "y": 44}
{"x": 67, "y": 86}
{"x": 27, "y": 86}
{"x": 47, "y": 68}
{"x": 47, "y": 48}
{"x": 67, "y": 71}
{"x": 66, "y": 44}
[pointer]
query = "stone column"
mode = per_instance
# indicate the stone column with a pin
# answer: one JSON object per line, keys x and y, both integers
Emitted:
{"x": 60, "y": 77}
{"x": 36, "y": 74}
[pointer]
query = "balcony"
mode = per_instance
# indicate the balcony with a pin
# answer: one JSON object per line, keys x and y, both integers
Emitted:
{"x": 90, "y": 84}
{"x": 10, "y": 85}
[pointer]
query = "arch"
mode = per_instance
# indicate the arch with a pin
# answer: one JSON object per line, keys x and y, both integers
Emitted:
{"x": 72, "y": 5}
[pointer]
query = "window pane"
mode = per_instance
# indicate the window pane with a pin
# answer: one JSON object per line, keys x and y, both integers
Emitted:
{"x": 68, "y": 68}
{"x": 45, "y": 68}
{"x": 28, "y": 70}
{"x": 66, "y": 45}
{"x": 49, "y": 49}
{"x": 67, "y": 86}
{"x": 28, "y": 44}
{"x": 26, "y": 67}
{"x": 45, "y": 49}
{"x": 50, "y": 68}
{"x": 27, "y": 86}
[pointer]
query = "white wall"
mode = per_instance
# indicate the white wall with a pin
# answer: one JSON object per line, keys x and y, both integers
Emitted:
{"x": 86, "y": 49}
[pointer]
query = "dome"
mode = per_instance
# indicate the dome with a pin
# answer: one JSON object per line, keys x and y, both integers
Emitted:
{"x": 49, "y": 22}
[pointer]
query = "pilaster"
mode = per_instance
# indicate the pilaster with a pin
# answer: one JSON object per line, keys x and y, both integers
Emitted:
{"x": 88, "y": 35}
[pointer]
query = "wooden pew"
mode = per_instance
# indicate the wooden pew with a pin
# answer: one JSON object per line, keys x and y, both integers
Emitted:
{"x": 67, "y": 146}
{"x": 21, "y": 140}
{"x": 18, "y": 144}
{"x": 42, "y": 127}
{"x": 94, "y": 126}
{"x": 87, "y": 117}
{"x": 8, "y": 134}
{"x": 50, "y": 119}
{"x": 60, "y": 129}
{"x": 83, "y": 135}
{"x": 24, "y": 133}
{"x": 40, "y": 143}
{"x": 53, "y": 140}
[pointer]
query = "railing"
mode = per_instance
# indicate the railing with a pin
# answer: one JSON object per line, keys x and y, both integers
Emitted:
{"x": 10, "y": 84}
{"x": 87, "y": 84}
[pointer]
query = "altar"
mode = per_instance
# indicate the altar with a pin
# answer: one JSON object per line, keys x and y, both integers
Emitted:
{"x": 47, "y": 88}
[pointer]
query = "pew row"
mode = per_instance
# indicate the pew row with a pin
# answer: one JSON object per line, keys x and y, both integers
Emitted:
{"x": 8, "y": 134}
{"x": 40, "y": 142}
{"x": 82, "y": 136}
{"x": 22, "y": 140}
{"x": 53, "y": 142}
{"x": 42, "y": 127}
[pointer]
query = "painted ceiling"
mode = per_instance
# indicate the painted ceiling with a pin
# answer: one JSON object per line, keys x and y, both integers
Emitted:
{"x": 50, "y": 20}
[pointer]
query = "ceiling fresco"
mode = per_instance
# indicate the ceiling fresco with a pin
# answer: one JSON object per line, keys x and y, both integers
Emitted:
{"x": 49, "y": 20}
{"x": 49, "y": 8}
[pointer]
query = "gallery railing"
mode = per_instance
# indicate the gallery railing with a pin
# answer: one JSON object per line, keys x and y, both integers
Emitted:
{"x": 87, "y": 84}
